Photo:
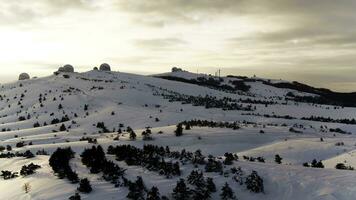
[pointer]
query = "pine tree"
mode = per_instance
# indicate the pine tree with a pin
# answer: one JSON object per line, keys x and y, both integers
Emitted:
{"x": 314, "y": 163}
{"x": 72, "y": 176}
{"x": 229, "y": 159}
{"x": 153, "y": 194}
{"x": 278, "y": 159}
{"x": 84, "y": 186}
{"x": 76, "y": 196}
{"x": 200, "y": 194}
{"x": 176, "y": 169}
{"x": 28, "y": 154}
{"x": 132, "y": 135}
{"x": 237, "y": 175}
{"x": 320, "y": 165}
{"x": 62, "y": 128}
{"x": 181, "y": 191}
{"x": 187, "y": 126}
{"x": 146, "y": 135}
{"x": 254, "y": 183}
{"x": 199, "y": 158}
{"x": 196, "y": 178}
{"x": 135, "y": 192}
{"x": 227, "y": 193}
{"x": 179, "y": 130}
{"x": 210, "y": 185}
{"x": 213, "y": 166}
{"x": 140, "y": 184}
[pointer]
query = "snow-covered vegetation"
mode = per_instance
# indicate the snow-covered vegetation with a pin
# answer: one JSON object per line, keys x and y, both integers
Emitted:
{"x": 178, "y": 135}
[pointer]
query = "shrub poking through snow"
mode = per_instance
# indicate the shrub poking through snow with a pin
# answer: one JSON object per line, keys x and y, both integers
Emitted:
{"x": 29, "y": 169}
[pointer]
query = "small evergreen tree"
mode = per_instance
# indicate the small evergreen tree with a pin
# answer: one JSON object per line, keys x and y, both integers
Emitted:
{"x": 153, "y": 194}
{"x": 314, "y": 163}
{"x": 319, "y": 164}
{"x": 72, "y": 176}
{"x": 210, "y": 185}
{"x": 278, "y": 159}
{"x": 196, "y": 178}
{"x": 132, "y": 135}
{"x": 181, "y": 191}
{"x": 179, "y": 130}
{"x": 140, "y": 184}
{"x": 254, "y": 183}
{"x": 200, "y": 193}
{"x": 237, "y": 175}
{"x": 76, "y": 196}
{"x": 36, "y": 125}
{"x": 135, "y": 192}
{"x": 176, "y": 169}
{"x": 146, "y": 135}
{"x": 213, "y": 166}
{"x": 62, "y": 128}
{"x": 187, "y": 126}
{"x": 340, "y": 166}
{"x": 84, "y": 186}
{"x": 227, "y": 193}
{"x": 28, "y": 154}
{"x": 229, "y": 159}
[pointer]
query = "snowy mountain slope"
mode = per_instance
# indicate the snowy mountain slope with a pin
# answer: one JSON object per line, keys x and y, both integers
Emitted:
{"x": 34, "y": 112}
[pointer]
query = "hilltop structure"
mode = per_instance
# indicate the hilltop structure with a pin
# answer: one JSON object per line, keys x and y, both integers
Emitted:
{"x": 105, "y": 67}
{"x": 24, "y": 76}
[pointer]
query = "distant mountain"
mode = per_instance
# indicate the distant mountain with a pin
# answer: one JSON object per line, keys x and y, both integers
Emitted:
{"x": 240, "y": 83}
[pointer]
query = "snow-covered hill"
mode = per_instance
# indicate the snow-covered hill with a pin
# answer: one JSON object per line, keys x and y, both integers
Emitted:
{"x": 68, "y": 109}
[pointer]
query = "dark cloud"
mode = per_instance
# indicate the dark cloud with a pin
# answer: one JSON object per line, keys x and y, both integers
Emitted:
{"x": 22, "y": 11}
{"x": 184, "y": 9}
{"x": 320, "y": 21}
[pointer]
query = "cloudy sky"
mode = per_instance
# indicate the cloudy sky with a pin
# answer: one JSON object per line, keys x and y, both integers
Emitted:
{"x": 312, "y": 41}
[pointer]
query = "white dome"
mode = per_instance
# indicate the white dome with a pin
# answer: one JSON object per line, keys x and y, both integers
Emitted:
{"x": 24, "y": 76}
{"x": 105, "y": 67}
{"x": 66, "y": 68}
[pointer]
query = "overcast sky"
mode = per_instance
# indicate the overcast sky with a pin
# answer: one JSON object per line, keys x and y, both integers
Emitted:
{"x": 312, "y": 41}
